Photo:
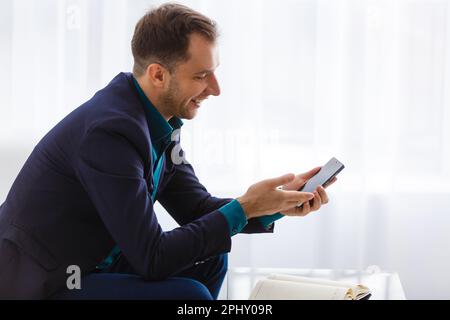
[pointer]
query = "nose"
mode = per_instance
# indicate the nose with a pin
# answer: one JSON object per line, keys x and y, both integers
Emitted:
{"x": 213, "y": 85}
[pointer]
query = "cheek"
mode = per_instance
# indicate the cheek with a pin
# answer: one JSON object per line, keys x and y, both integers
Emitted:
{"x": 197, "y": 89}
{"x": 190, "y": 90}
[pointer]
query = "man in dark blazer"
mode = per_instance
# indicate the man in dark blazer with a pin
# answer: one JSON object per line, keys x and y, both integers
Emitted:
{"x": 84, "y": 198}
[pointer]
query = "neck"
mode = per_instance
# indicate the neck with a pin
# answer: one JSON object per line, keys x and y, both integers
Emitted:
{"x": 154, "y": 98}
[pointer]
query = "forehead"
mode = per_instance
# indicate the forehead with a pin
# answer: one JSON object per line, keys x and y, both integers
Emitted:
{"x": 203, "y": 55}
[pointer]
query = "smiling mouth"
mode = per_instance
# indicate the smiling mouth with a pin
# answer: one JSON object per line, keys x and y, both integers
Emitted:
{"x": 196, "y": 102}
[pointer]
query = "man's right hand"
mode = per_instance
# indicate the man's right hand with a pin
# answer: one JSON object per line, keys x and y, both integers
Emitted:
{"x": 265, "y": 197}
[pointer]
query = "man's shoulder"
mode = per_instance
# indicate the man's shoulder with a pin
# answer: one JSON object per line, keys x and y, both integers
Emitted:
{"x": 118, "y": 98}
{"x": 115, "y": 110}
{"x": 116, "y": 105}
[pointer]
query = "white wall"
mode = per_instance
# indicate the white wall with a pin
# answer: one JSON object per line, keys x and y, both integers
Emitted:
{"x": 367, "y": 81}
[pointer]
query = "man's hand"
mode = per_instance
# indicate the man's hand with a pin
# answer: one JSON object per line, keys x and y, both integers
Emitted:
{"x": 320, "y": 195}
{"x": 265, "y": 197}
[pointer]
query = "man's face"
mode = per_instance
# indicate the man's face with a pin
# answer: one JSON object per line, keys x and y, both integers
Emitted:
{"x": 194, "y": 80}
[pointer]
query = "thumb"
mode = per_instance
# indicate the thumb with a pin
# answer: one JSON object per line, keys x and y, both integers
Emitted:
{"x": 275, "y": 182}
{"x": 310, "y": 173}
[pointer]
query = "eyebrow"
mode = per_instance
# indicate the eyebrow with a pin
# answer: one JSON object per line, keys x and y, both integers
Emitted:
{"x": 207, "y": 70}
{"x": 204, "y": 71}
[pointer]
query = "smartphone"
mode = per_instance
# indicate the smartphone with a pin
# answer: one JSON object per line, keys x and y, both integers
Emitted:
{"x": 325, "y": 174}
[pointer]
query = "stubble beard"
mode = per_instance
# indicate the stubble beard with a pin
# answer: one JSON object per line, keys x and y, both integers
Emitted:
{"x": 171, "y": 102}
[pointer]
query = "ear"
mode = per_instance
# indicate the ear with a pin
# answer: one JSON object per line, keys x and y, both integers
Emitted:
{"x": 158, "y": 75}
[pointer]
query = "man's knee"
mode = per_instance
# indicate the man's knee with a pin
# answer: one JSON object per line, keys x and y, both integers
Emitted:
{"x": 190, "y": 289}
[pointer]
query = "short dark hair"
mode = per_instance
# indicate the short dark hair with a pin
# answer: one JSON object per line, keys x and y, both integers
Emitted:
{"x": 162, "y": 36}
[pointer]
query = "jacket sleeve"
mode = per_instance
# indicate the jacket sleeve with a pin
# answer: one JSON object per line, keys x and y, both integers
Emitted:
{"x": 110, "y": 166}
{"x": 186, "y": 199}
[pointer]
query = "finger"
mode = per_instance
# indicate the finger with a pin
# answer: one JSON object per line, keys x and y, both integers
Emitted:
{"x": 294, "y": 184}
{"x": 323, "y": 194}
{"x": 317, "y": 201}
{"x": 307, "y": 175}
{"x": 329, "y": 183}
{"x": 302, "y": 210}
{"x": 297, "y": 196}
{"x": 288, "y": 212}
{"x": 310, "y": 173}
{"x": 295, "y": 211}
{"x": 305, "y": 208}
{"x": 275, "y": 182}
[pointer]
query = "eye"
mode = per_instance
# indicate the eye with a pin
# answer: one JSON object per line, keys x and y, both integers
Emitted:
{"x": 200, "y": 77}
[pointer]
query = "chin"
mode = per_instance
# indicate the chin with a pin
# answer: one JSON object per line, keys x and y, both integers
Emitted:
{"x": 189, "y": 115}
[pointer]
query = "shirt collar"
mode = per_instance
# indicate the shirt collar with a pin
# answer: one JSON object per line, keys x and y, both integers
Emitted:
{"x": 160, "y": 129}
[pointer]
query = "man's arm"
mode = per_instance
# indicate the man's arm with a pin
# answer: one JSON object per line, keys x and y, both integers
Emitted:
{"x": 186, "y": 200}
{"x": 110, "y": 167}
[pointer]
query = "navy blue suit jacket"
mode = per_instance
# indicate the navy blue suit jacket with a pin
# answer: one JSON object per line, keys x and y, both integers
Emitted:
{"x": 87, "y": 186}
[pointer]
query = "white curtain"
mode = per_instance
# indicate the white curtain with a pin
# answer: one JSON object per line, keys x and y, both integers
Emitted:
{"x": 367, "y": 81}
